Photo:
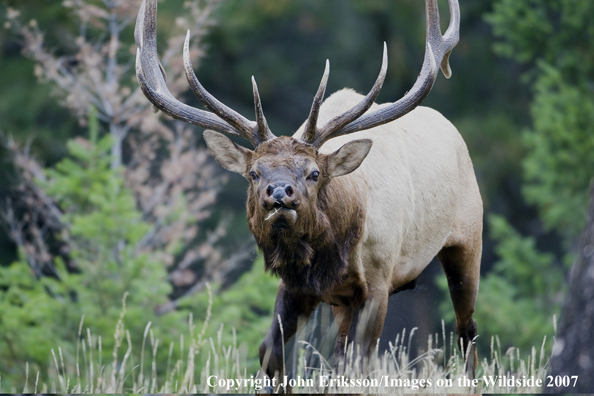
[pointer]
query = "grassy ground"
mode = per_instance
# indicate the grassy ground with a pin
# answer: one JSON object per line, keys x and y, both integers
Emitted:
{"x": 210, "y": 366}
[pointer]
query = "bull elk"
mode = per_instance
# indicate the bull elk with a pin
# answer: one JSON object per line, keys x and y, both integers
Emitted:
{"x": 354, "y": 205}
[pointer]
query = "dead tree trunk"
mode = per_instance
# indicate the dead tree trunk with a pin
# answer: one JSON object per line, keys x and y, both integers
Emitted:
{"x": 573, "y": 353}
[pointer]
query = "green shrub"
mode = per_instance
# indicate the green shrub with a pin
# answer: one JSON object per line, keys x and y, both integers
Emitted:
{"x": 103, "y": 231}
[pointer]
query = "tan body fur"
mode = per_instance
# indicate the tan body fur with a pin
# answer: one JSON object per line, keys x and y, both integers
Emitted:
{"x": 419, "y": 192}
{"x": 419, "y": 196}
{"x": 382, "y": 204}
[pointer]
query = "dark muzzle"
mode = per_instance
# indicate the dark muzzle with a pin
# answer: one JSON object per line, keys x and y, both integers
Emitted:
{"x": 280, "y": 195}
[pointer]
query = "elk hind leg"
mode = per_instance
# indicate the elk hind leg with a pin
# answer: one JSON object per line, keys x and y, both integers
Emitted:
{"x": 461, "y": 264}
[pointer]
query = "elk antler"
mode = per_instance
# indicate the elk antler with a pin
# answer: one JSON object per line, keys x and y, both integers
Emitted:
{"x": 438, "y": 49}
{"x": 152, "y": 82}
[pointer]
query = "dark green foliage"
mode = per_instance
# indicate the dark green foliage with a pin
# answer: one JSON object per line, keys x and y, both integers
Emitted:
{"x": 103, "y": 233}
{"x": 26, "y": 106}
{"x": 246, "y": 307}
{"x": 560, "y": 164}
{"x": 518, "y": 299}
{"x": 557, "y": 32}
{"x": 554, "y": 39}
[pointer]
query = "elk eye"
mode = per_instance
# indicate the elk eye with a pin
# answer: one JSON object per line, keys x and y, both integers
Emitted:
{"x": 314, "y": 176}
{"x": 254, "y": 175}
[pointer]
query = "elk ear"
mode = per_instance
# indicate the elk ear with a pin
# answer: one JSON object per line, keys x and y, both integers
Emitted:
{"x": 231, "y": 156}
{"x": 347, "y": 158}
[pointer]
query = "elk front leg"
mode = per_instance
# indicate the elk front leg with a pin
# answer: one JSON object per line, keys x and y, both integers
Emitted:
{"x": 293, "y": 310}
{"x": 360, "y": 324}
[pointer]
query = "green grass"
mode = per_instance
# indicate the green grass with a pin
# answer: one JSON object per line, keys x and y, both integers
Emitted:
{"x": 437, "y": 370}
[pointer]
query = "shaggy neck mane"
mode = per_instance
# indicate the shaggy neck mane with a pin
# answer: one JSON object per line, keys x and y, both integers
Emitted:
{"x": 313, "y": 261}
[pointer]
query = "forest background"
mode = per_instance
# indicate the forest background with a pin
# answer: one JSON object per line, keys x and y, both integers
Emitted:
{"x": 96, "y": 202}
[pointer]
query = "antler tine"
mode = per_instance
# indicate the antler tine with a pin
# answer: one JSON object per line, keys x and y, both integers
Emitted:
{"x": 437, "y": 51}
{"x": 451, "y": 37}
{"x": 337, "y": 123}
{"x": 152, "y": 80}
{"x": 310, "y": 130}
{"x": 239, "y": 122}
{"x": 263, "y": 129}
{"x": 443, "y": 45}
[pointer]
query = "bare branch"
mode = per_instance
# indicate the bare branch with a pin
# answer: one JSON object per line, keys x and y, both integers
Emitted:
{"x": 171, "y": 175}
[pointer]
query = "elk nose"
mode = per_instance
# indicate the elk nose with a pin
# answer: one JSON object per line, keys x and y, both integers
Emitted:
{"x": 279, "y": 193}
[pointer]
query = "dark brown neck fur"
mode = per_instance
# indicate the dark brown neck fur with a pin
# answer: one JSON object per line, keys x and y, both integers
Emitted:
{"x": 313, "y": 258}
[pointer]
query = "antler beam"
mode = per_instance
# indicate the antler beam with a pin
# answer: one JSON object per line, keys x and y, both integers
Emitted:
{"x": 151, "y": 79}
{"x": 224, "y": 119}
{"x": 437, "y": 51}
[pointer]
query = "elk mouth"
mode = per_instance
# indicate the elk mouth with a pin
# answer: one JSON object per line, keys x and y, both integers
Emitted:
{"x": 281, "y": 216}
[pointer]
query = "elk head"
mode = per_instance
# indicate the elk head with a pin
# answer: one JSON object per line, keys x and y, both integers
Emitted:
{"x": 287, "y": 175}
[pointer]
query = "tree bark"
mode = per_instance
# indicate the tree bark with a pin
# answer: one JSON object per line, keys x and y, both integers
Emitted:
{"x": 573, "y": 352}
